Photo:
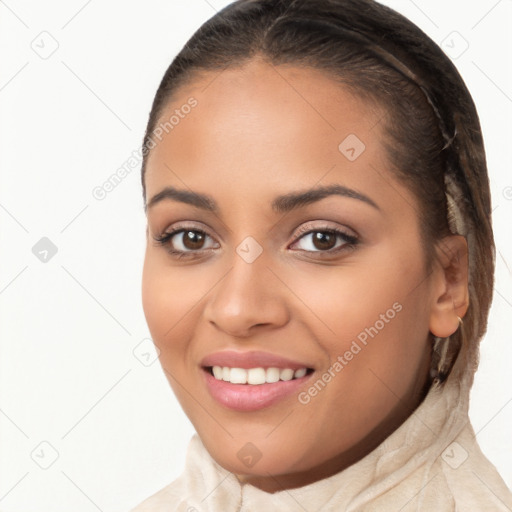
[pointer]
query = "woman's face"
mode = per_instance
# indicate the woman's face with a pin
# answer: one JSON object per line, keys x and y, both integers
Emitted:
{"x": 335, "y": 283}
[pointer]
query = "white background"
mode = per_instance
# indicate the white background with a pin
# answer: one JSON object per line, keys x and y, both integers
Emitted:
{"x": 70, "y": 328}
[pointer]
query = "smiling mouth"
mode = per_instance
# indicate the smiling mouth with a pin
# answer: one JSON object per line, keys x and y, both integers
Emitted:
{"x": 256, "y": 376}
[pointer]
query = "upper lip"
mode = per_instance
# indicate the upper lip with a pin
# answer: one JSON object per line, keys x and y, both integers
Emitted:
{"x": 251, "y": 359}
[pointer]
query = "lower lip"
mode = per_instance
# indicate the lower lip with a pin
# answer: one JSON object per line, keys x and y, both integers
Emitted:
{"x": 250, "y": 397}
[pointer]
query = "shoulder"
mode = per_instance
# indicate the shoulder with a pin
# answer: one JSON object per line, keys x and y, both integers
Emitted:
{"x": 472, "y": 479}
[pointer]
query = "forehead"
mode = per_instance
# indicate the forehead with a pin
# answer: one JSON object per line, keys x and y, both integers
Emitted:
{"x": 265, "y": 127}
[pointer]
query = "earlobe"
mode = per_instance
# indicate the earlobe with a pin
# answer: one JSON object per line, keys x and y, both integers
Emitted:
{"x": 450, "y": 298}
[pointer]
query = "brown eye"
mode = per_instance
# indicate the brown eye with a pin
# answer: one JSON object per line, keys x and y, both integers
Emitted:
{"x": 193, "y": 240}
{"x": 327, "y": 240}
{"x": 324, "y": 240}
{"x": 186, "y": 241}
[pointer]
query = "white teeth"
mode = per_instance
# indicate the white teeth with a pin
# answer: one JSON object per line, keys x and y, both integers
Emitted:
{"x": 256, "y": 376}
{"x": 272, "y": 375}
{"x": 217, "y": 372}
{"x": 238, "y": 376}
{"x": 286, "y": 374}
{"x": 299, "y": 373}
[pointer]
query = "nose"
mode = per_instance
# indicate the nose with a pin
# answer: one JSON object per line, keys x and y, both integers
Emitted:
{"x": 249, "y": 298}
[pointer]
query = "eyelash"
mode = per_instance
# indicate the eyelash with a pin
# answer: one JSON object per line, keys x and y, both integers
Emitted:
{"x": 350, "y": 240}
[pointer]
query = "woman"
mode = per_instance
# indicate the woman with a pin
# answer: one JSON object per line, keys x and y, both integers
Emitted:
{"x": 319, "y": 263}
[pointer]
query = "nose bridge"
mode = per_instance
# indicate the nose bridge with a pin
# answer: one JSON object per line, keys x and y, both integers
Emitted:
{"x": 243, "y": 298}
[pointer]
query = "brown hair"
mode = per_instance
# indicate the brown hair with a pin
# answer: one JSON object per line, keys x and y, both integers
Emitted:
{"x": 433, "y": 134}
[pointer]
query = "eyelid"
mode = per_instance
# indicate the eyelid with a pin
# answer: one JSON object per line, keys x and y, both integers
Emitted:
{"x": 181, "y": 226}
{"x": 308, "y": 227}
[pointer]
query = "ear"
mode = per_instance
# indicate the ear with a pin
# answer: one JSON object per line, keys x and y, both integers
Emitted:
{"x": 450, "y": 289}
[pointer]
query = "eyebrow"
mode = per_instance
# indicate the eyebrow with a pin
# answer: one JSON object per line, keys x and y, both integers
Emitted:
{"x": 280, "y": 204}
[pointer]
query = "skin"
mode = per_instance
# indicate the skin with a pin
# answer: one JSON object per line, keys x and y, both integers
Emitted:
{"x": 257, "y": 132}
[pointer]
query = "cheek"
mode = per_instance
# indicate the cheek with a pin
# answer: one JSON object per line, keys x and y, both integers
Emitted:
{"x": 376, "y": 352}
{"x": 345, "y": 301}
{"x": 371, "y": 320}
{"x": 168, "y": 297}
